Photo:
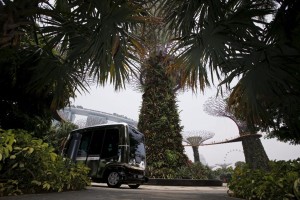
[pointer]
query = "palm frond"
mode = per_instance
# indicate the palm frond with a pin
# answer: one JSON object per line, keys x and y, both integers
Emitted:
{"x": 214, "y": 36}
{"x": 96, "y": 35}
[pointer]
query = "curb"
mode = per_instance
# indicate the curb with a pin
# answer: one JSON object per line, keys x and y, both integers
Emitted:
{"x": 184, "y": 182}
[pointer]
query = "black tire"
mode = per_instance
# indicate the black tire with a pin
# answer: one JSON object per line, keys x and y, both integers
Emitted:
{"x": 113, "y": 180}
{"x": 134, "y": 186}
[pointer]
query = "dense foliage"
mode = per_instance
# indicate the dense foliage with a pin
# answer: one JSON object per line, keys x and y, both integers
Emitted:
{"x": 254, "y": 43}
{"x": 48, "y": 50}
{"x": 189, "y": 171}
{"x": 159, "y": 121}
{"x": 195, "y": 171}
{"x": 223, "y": 174}
{"x": 22, "y": 107}
{"x": 282, "y": 182}
{"x": 28, "y": 165}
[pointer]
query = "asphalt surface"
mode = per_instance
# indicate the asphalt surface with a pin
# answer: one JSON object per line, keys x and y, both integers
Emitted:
{"x": 144, "y": 192}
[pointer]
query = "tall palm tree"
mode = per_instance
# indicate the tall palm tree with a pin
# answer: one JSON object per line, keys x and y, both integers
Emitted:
{"x": 233, "y": 40}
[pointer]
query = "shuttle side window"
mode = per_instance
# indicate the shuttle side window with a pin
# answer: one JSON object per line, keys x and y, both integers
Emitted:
{"x": 111, "y": 144}
{"x": 84, "y": 145}
{"x": 97, "y": 142}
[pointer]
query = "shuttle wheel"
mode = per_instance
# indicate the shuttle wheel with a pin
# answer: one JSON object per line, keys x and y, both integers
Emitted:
{"x": 135, "y": 186}
{"x": 114, "y": 180}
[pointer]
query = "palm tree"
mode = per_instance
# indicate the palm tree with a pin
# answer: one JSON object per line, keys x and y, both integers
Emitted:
{"x": 48, "y": 50}
{"x": 232, "y": 39}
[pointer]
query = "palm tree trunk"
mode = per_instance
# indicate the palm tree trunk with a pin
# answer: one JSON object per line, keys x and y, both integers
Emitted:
{"x": 255, "y": 154}
{"x": 196, "y": 154}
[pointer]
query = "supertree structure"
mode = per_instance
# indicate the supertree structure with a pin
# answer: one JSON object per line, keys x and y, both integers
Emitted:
{"x": 217, "y": 106}
{"x": 195, "y": 139}
{"x": 254, "y": 151}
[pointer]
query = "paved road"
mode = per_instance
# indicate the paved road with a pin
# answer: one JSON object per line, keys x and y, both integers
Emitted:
{"x": 101, "y": 191}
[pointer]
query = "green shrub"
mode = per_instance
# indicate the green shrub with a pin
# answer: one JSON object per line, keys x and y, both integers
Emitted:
{"x": 28, "y": 165}
{"x": 281, "y": 182}
{"x": 166, "y": 168}
{"x": 194, "y": 171}
{"x": 191, "y": 171}
{"x": 223, "y": 174}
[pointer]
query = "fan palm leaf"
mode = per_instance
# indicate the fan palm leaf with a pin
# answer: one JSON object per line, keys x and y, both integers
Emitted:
{"x": 212, "y": 33}
{"x": 236, "y": 41}
{"x": 95, "y": 36}
{"x": 270, "y": 78}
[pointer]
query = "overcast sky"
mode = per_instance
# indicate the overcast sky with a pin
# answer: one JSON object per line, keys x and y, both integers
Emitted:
{"x": 128, "y": 102}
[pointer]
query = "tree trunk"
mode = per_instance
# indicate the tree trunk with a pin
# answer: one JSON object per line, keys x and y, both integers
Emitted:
{"x": 255, "y": 154}
{"x": 196, "y": 154}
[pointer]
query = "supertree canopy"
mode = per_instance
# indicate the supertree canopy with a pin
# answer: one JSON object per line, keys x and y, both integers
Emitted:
{"x": 195, "y": 139}
{"x": 254, "y": 151}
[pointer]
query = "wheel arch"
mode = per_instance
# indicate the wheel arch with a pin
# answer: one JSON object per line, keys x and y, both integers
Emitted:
{"x": 109, "y": 169}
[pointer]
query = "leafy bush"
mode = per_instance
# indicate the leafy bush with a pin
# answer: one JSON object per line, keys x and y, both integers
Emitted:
{"x": 28, "y": 165}
{"x": 194, "y": 171}
{"x": 168, "y": 167}
{"x": 281, "y": 182}
{"x": 191, "y": 171}
{"x": 223, "y": 174}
